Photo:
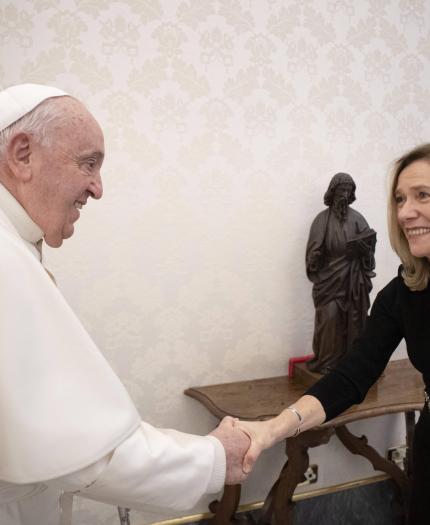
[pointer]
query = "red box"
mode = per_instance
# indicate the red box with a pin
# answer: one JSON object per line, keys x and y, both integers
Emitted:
{"x": 295, "y": 360}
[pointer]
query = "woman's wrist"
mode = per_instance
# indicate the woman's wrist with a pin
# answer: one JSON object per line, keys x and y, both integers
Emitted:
{"x": 284, "y": 425}
{"x": 299, "y": 421}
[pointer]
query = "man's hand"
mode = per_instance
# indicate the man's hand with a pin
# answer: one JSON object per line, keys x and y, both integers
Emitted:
{"x": 261, "y": 436}
{"x": 236, "y": 443}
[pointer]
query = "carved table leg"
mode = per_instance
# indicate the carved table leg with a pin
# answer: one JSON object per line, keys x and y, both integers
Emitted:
{"x": 278, "y": 507}
{"x": 124, "y": 516}
{"x": 226, "y": 508}
{"x": 359, "y": 446}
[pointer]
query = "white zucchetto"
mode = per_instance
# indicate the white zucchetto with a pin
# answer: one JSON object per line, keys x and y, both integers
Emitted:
{"x": 17, "y": 101}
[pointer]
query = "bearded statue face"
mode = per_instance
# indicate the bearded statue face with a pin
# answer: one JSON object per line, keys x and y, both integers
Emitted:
{"x": 341, "y": 198}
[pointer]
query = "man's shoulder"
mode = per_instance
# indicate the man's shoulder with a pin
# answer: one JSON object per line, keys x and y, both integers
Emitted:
{"x": 13, "y": 250}
{"x": 322, "y": 215}
{"x": 356, "y": 217}
{"x": 355, "y": 213}
{"x": 318, "y": 226}
{"x": 8, "y": 240}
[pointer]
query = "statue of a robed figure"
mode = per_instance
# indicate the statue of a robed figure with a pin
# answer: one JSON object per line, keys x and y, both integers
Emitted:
{"x": 339, "y": 262}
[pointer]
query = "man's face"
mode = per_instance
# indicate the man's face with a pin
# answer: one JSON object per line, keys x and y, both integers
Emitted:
{"x": 342, "y": 192}
{"x": 65, "y": 174}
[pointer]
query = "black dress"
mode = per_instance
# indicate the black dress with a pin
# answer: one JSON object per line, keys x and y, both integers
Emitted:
{"x": 397, "y": 313}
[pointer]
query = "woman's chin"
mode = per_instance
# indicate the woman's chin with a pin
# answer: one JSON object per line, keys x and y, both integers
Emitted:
{"x": 419, "y": 250}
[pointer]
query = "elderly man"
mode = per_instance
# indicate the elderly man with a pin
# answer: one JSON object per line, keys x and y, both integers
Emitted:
{"x": 67, "y": 423}
{"x": 339, "y": 262}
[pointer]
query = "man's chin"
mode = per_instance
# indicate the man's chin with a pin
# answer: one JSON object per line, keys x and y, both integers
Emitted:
{"x": 56, "y": 239}
{"x": 53, "y": 242}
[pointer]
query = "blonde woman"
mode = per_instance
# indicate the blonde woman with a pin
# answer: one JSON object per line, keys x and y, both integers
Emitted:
{"x": 400, "y": 310}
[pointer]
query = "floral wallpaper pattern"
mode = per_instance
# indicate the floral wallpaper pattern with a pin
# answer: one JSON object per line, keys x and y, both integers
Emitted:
{"x": 224, "y": 121}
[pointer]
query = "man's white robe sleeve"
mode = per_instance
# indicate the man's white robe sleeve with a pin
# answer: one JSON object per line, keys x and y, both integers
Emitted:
{"x": 67, "y": 420}
{"x": 153, "y": 467}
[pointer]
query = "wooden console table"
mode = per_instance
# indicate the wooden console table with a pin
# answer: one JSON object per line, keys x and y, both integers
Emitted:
{"x": 400, "y": 390}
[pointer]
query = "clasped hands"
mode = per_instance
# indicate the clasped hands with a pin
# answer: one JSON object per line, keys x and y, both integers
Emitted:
{"x": 243, "y": 442}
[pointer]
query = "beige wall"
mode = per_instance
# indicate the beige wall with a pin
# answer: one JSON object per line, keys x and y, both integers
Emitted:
{"x": 224, "y": 121}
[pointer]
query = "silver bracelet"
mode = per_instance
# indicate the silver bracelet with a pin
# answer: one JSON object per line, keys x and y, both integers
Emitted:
{"x": 299, "y": 417}
{"x": 295, "y": 411}
{"x": 296, "y": 433}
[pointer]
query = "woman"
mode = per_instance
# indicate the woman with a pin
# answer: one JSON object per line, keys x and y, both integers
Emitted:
{"x": 400, "y": 310}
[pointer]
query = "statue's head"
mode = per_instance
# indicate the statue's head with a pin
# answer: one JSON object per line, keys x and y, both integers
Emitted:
{"x": 341, "y": 186}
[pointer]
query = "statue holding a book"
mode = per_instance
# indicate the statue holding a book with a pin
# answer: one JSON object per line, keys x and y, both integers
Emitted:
{"x": 339, "y": 262}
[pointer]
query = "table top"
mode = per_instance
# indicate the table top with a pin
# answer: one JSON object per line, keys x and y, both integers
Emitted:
{"x": 400, "y": 389}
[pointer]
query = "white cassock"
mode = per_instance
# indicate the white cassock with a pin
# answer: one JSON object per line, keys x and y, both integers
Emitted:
{"x": 66, "y": 421}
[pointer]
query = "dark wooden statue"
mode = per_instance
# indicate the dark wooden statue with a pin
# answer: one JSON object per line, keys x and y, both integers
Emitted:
{"x": 339, "y": 262}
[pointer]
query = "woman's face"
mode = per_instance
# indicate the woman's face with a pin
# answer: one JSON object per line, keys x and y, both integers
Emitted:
{"x": 412, "y": 197}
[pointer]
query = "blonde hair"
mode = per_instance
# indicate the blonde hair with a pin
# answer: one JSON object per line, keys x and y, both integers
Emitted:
{"x": 416, "y": 270}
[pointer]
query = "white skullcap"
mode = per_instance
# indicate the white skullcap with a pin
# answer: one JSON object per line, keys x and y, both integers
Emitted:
{"x": 17, "y": 101}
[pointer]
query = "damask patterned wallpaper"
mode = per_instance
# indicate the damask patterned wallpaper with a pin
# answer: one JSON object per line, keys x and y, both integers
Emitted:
{"x": 224, "y": 122}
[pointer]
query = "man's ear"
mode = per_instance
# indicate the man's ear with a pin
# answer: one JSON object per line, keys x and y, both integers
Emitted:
{"x": 19, "y": 156}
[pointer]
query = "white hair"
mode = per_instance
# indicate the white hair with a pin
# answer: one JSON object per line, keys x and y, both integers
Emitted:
{"x": 41, "y": 122}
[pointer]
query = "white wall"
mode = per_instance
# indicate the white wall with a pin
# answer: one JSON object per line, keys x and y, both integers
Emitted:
{"x": 224, "y": 122}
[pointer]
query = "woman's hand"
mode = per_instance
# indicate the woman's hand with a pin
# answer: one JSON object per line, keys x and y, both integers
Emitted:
{"x": 261, "y": 436}
{"x": 306, "y": 413}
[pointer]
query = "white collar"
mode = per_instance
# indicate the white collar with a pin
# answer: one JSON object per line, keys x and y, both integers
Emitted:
{"x": 27, "y": 229}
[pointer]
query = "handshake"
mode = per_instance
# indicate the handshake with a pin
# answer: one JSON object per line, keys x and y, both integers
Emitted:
{"x": 243, "y": 442}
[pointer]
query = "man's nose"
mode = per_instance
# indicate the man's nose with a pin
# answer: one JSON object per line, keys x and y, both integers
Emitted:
{"x": 96, "y": 187}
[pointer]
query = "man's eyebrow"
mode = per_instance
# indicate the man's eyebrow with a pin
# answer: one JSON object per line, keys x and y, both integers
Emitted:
{"x": 97, "y": 155}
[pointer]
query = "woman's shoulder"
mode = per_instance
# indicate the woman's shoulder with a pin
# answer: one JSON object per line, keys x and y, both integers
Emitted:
{"x": 390, "y": 292}
{"x": 395, "y": 283}
{"x": 396, "y": 288}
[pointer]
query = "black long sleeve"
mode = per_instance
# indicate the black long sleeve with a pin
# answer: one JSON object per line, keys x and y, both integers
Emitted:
{"x": 349, "y": 382}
